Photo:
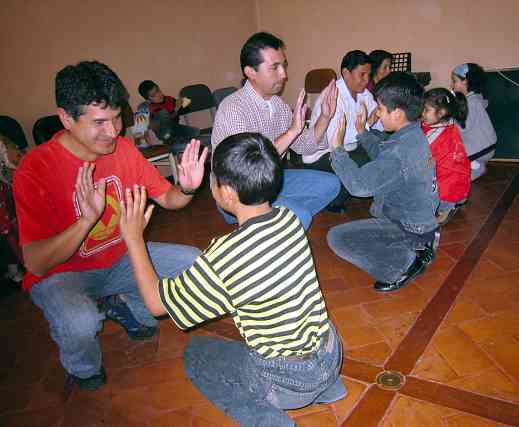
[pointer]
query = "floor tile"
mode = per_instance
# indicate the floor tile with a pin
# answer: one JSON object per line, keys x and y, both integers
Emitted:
{"x": 460, "y": 352}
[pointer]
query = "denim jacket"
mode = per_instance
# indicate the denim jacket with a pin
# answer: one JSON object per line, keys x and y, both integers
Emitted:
{"x": 400, "y": 177}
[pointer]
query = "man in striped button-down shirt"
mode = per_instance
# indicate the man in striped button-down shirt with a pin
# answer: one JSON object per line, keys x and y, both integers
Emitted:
{"x": 257, "y": 108}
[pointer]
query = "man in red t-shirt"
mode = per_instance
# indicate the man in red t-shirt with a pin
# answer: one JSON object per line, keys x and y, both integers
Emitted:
{"x": 68, "y": 195}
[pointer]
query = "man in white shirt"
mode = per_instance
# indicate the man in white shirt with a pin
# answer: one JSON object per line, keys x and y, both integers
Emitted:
{"x": 353, "y": 95}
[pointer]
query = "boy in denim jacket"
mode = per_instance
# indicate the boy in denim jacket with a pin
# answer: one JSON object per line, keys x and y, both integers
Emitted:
{"x": 263, "y": 275}
{"x": 400, "y": 240}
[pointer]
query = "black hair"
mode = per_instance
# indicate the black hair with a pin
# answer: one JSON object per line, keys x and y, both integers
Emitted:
{"x": 401, "y": 90}
{"x": 145, "y": 87}
{"x": 251, "y": 56}
{"x": 89, "y": 82}
{"x": 353, "y": 59}
{"x": 249, "y": 164}
{"x": 476, "y": 78}
{"x": 377, "y": 57}
{"x": 454, "y": 104}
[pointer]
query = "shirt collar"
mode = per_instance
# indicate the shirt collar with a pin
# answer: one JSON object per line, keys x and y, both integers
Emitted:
{"x": 249, "y": 90}
{"x": 405, "y": 130}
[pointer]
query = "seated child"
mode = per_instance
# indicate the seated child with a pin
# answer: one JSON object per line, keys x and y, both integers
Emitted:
{"x": 400, "y": 241}
{"x": 263, "y": 275}
{"x": 10, "y": 156}
{"x": 479, "y": 136}
{"x": 161, "y": 114}
{"x": 442, "y": 117}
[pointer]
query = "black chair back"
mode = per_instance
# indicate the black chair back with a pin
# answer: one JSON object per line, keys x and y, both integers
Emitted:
{"x": 45, "y": 127}
{"x": 10, "y": 128}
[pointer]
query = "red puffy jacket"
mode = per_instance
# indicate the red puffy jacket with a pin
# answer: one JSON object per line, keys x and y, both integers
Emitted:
{"x": 452, "y": 163}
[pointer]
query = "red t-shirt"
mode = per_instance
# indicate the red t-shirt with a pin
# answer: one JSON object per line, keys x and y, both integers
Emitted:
{"x": 452, "y": 163}
{"x": 46, "y": 202}
{"x": 167, "y": 104}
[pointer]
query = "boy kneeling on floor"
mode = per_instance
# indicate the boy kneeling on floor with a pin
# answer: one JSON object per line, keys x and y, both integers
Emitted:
{"x": 401, "y": 238}
{"x": 263, "y": 274}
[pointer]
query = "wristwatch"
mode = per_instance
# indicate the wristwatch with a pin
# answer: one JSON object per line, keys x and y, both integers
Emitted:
{"x": 187, "y": 192}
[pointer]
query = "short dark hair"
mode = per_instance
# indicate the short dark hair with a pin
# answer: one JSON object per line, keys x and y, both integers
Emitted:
{"x": 249, "y": 164}
{"x": 454, "y": 104}
{"x": 401, "y": 90}
{"x": 89, "y": 82}
{"x": 145, "y": 87}
{"x": 251, "y": 56}
{"x": 377, "y": 57}
{"x": 353, "y": 59}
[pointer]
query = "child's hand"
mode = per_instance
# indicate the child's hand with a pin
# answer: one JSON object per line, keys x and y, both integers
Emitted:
{"x": 134, "y": 215}
{"x": 184, "y": 102}
{"x": 373, "y": 117}
{"x": 362, "y": 117}
{"x": 338, "y": 137}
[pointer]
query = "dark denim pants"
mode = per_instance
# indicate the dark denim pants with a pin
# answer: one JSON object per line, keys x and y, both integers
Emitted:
{"x": 378, "y": 246}
{"x": 68, "y": 303}
{"x": 254, "y": 390}
{"x": 304, "y": 192}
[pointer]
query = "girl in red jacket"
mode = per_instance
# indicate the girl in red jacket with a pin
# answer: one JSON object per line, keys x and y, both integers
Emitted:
{"x": 443, "y": 114}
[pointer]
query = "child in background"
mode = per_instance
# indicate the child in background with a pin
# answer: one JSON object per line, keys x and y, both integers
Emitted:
{"x": 160, "y": 113}
{"x": 10, "y": 157}
{"x": 263, "y": 275}
{"x": 442, "y": 117}
{"x": 479, "y": 136}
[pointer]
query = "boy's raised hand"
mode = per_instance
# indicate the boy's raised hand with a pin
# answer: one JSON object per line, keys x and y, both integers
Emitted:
{"x": 338, "y": 137}
{"x": 134, "y": 215}
{"x": 191, "y": 167}
{"x": 373, "y": 117}
{"x": 362, "y": 118}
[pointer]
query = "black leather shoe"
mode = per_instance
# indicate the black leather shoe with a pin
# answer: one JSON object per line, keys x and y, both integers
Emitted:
{"x": 428, "y": 253}
{"x": 415, "y": 269}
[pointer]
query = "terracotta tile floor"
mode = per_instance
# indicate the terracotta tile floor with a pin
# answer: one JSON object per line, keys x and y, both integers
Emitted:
{"x": 453, "y": 335}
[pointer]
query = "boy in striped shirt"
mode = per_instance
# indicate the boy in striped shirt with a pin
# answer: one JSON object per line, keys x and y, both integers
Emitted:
{"x": 263, "y": 275}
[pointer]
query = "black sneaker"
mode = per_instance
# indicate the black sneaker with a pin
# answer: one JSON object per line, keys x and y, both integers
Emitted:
{"x": 92, "y": 383}
{"x": 415, "y": 269}
{"x": 116, "y": 309}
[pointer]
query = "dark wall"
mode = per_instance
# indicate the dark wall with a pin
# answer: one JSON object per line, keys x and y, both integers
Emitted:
{"x": 503, "y": 109}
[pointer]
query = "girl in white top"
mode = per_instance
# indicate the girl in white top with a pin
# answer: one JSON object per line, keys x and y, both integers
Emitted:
{"x": 479, "y": 136}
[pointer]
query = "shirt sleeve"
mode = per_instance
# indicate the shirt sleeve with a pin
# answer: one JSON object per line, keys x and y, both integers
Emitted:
{"x": 229, "y": 120}
{"x": 368, "y": 179}
{"x": 196, "y": 295}
{"x": 33, "y": 204}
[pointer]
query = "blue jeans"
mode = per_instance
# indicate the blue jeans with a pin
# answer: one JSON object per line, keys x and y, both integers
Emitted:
{"x": 377, "y": 246}
{"x": 254, "y": 390}
{"x": 304, "y": 192}
{"x": 68, "y": 301}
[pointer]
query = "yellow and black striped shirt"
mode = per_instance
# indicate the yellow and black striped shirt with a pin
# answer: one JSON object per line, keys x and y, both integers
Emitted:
{"x": 263, "y": 274}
